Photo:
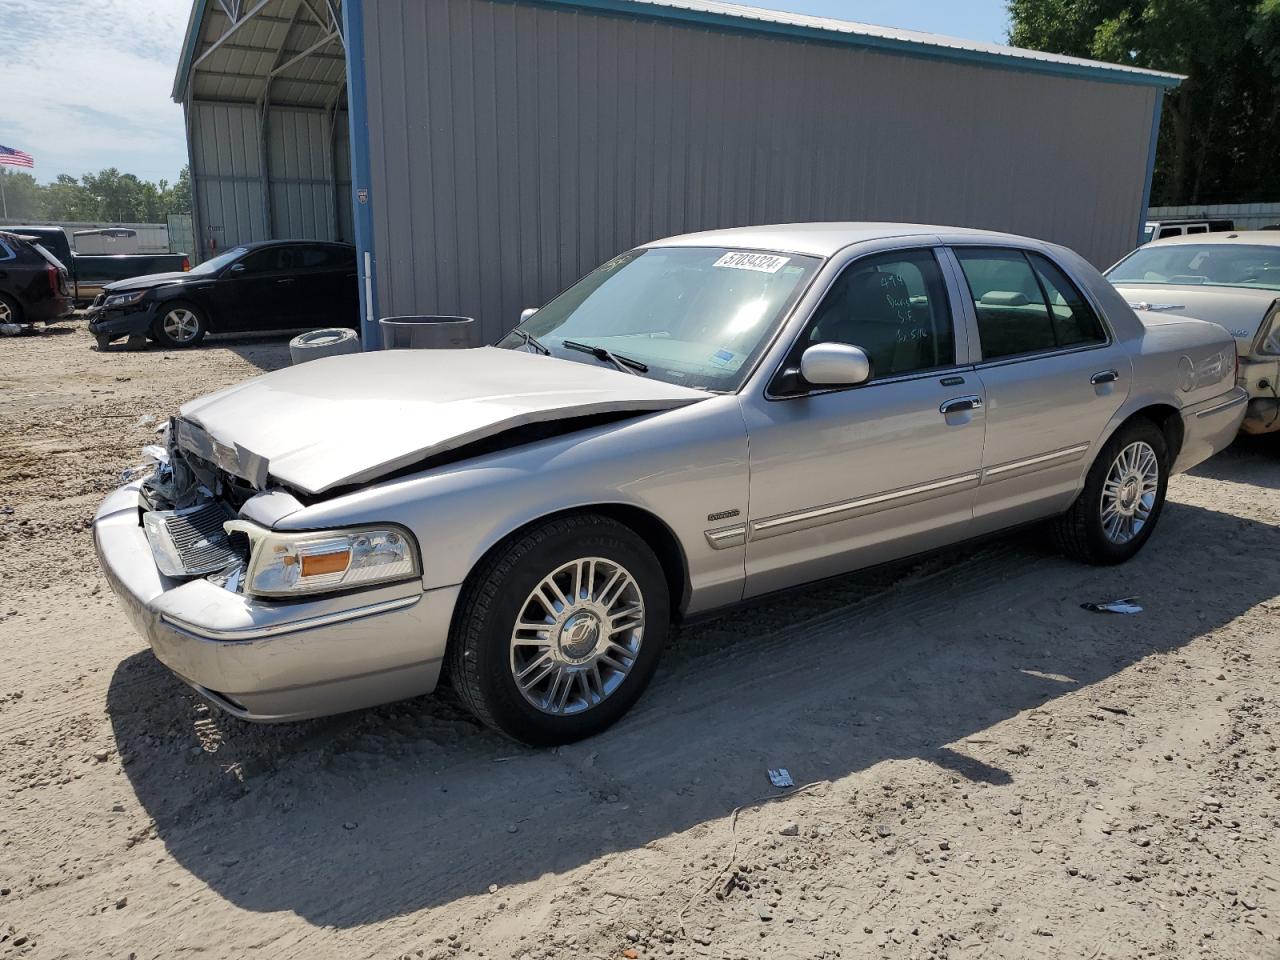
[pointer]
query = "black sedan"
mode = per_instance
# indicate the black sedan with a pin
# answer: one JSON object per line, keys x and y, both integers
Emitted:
{"x": 273, "y": 285}
{"x": 33, "y": 285}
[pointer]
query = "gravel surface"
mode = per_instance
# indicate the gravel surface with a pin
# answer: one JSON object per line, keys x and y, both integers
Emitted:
{"x": 983, "y": 768}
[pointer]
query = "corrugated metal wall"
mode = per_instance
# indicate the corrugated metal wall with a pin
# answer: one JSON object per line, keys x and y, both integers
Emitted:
{"x": 226, "y": 175}
{"x": 515, "y": 146}
{"x": 307, "y": 199}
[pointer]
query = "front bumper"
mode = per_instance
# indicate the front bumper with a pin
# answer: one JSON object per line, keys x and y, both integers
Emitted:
{"x": 276, "y": 661}
{"x": 1210, "y": 426}
{"x": 112, "y": 323}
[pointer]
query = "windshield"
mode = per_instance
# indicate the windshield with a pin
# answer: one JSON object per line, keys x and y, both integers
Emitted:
{"x": 695, "y": 316}
{"x": 214, "y": 264}
{"x": 1212, "y": 264}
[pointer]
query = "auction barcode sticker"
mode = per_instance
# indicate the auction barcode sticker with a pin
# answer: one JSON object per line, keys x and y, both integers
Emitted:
{"x": 760, "y": 262}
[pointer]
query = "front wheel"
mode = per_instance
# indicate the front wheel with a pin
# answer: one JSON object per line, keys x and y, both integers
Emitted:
{"x": 560, "y": 629}
{"x": 1122, "y": 499}
{"x": 179, "y": 325}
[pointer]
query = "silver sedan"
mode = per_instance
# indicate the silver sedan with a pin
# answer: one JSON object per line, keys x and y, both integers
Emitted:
{"x": 700, "y": 421}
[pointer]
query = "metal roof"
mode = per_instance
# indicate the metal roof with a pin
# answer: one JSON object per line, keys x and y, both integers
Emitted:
{"x": 232, "y": 47}
{"x": 242, "y": 50}
{"x": 891, "y": 38}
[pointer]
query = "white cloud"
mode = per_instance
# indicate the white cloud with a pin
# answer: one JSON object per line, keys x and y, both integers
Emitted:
{"x": 86, "y": 84}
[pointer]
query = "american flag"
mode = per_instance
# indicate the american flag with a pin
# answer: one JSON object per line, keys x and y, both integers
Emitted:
{"x": 10, "y": 157}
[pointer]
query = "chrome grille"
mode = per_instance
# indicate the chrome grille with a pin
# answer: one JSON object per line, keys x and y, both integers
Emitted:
{"x": 190, "y": 542}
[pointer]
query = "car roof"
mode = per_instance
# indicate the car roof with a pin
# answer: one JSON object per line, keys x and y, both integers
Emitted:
{"x": 821, "y": 239}
{"x": 259, "y": 244}
{"x": 1267, "y": 238}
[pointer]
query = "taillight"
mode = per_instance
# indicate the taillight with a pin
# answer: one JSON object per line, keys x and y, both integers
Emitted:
{"x": 186, "y": 264}
{"x": 51, "y": 272}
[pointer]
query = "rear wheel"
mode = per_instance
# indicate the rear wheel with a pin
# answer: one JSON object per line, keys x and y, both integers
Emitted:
{"x": 560, "y": 630}
{"x": 10, "y": 312}
{"x": 1122, "y": 499}
{"x": 180, "y": 325}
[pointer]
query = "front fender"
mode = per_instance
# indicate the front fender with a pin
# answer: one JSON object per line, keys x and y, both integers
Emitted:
{"x": 679, "y": 466}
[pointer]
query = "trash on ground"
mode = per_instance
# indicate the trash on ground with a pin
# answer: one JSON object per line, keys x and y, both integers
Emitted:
{"x": 780, "y": 777}
{"x": 1127, "y": 605}
{"x": 10, "y": 329}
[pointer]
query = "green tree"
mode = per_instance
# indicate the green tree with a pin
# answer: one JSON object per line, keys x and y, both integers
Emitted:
{"x": 1219, "y": 131}
{"x": 67, "y": 199}
{"x": 23, "y": 197}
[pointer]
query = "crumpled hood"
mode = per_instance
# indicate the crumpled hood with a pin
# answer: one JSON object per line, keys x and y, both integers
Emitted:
{"x": 149, "y": 280}
{"x": 1240, "y": 309}
{"x": 351, "y": 419}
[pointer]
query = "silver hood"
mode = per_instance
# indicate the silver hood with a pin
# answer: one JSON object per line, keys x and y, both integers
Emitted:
{"x": 351, "y": 419}
{"x": 1240, "y": 309}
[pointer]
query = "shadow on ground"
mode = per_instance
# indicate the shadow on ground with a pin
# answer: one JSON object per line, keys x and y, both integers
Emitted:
{"x": 373, "y": 815}
{"x": 1250, "y": 459}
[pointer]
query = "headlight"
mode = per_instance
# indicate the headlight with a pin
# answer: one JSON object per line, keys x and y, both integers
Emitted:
{"x": 123, "y": 299}
{"x": 287, "y": 564}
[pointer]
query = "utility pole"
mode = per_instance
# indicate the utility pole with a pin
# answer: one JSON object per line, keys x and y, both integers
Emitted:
{"x": 4, "y": 201}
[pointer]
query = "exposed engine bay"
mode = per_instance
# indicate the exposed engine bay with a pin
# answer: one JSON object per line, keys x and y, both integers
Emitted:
{"x": 186, "y": 504}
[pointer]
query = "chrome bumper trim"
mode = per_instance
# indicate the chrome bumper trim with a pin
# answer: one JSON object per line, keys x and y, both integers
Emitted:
{"x": 293, "y": 626}
{"x": 1239, "y": 398}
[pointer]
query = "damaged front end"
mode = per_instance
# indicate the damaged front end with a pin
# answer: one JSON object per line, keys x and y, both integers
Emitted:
{"x": 187, "y": 501}
{"x": 207, "y": 511}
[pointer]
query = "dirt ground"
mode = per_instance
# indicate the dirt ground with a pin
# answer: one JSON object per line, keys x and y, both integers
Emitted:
{"x": 985, "y": 768}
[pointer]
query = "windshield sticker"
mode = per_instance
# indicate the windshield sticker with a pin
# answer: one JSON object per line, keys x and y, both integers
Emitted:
{"x": 722, "y": 357}
{"x": 759, "y": 262}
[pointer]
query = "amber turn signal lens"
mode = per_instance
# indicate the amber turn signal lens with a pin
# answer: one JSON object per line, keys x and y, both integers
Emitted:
{"x": 315, "y": 564}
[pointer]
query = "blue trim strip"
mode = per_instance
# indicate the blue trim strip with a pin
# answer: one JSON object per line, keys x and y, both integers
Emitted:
{"x": 362, "y": 212}
{"x": 189, "y": 43}
{"x": 1151, "y": 165}
{"x": 890, "y": 44}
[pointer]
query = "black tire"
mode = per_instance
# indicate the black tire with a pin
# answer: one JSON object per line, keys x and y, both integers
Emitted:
{"x": 10, "y": 310}
{"x": 1079, "y": 532}
{"x": 479, "y": 658}
{"x": 177, "y": 343}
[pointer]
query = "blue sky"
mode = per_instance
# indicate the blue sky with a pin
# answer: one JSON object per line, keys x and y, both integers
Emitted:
{"x": 86, "y": 82}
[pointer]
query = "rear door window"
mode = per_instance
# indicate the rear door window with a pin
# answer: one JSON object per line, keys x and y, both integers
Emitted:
{"x": 1074, "y": 321}
{"x": 1025, "y": 303}
{"x": 1013, "y": 317}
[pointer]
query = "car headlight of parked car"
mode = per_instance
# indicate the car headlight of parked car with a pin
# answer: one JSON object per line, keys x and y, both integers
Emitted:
{"x": 124, "y": 299}
{"x": 315, "y": 561}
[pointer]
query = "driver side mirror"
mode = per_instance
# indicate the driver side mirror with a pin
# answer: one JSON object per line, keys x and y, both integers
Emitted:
{"x": 835, "y": 365}
{"x": 236, "y": 268}
{"x": 527, "y": 312}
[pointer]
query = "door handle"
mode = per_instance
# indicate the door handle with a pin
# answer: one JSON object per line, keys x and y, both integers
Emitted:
{"x": 285, "y": 280}
{"x": 1105, "y": 376}
{"x": 960, "y": 405}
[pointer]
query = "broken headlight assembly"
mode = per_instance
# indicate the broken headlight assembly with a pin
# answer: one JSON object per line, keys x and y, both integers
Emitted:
{"x": 124, "y": 299}
{"x": 292, "y": 564}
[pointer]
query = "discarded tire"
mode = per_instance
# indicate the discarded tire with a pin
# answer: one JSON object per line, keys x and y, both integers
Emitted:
{"x": 331, "y": 342}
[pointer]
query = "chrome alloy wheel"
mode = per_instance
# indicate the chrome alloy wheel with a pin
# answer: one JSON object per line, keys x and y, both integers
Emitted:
{"x": 180, "y": 325}
{"x": 1129, "y": 492}
{"x": 6, "y": 315}
{"x": 577, "y": 636}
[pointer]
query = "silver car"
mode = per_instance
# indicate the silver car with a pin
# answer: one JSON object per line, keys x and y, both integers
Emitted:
{"x": 699, "y": 421}
{"x": 1229, "y": 278}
